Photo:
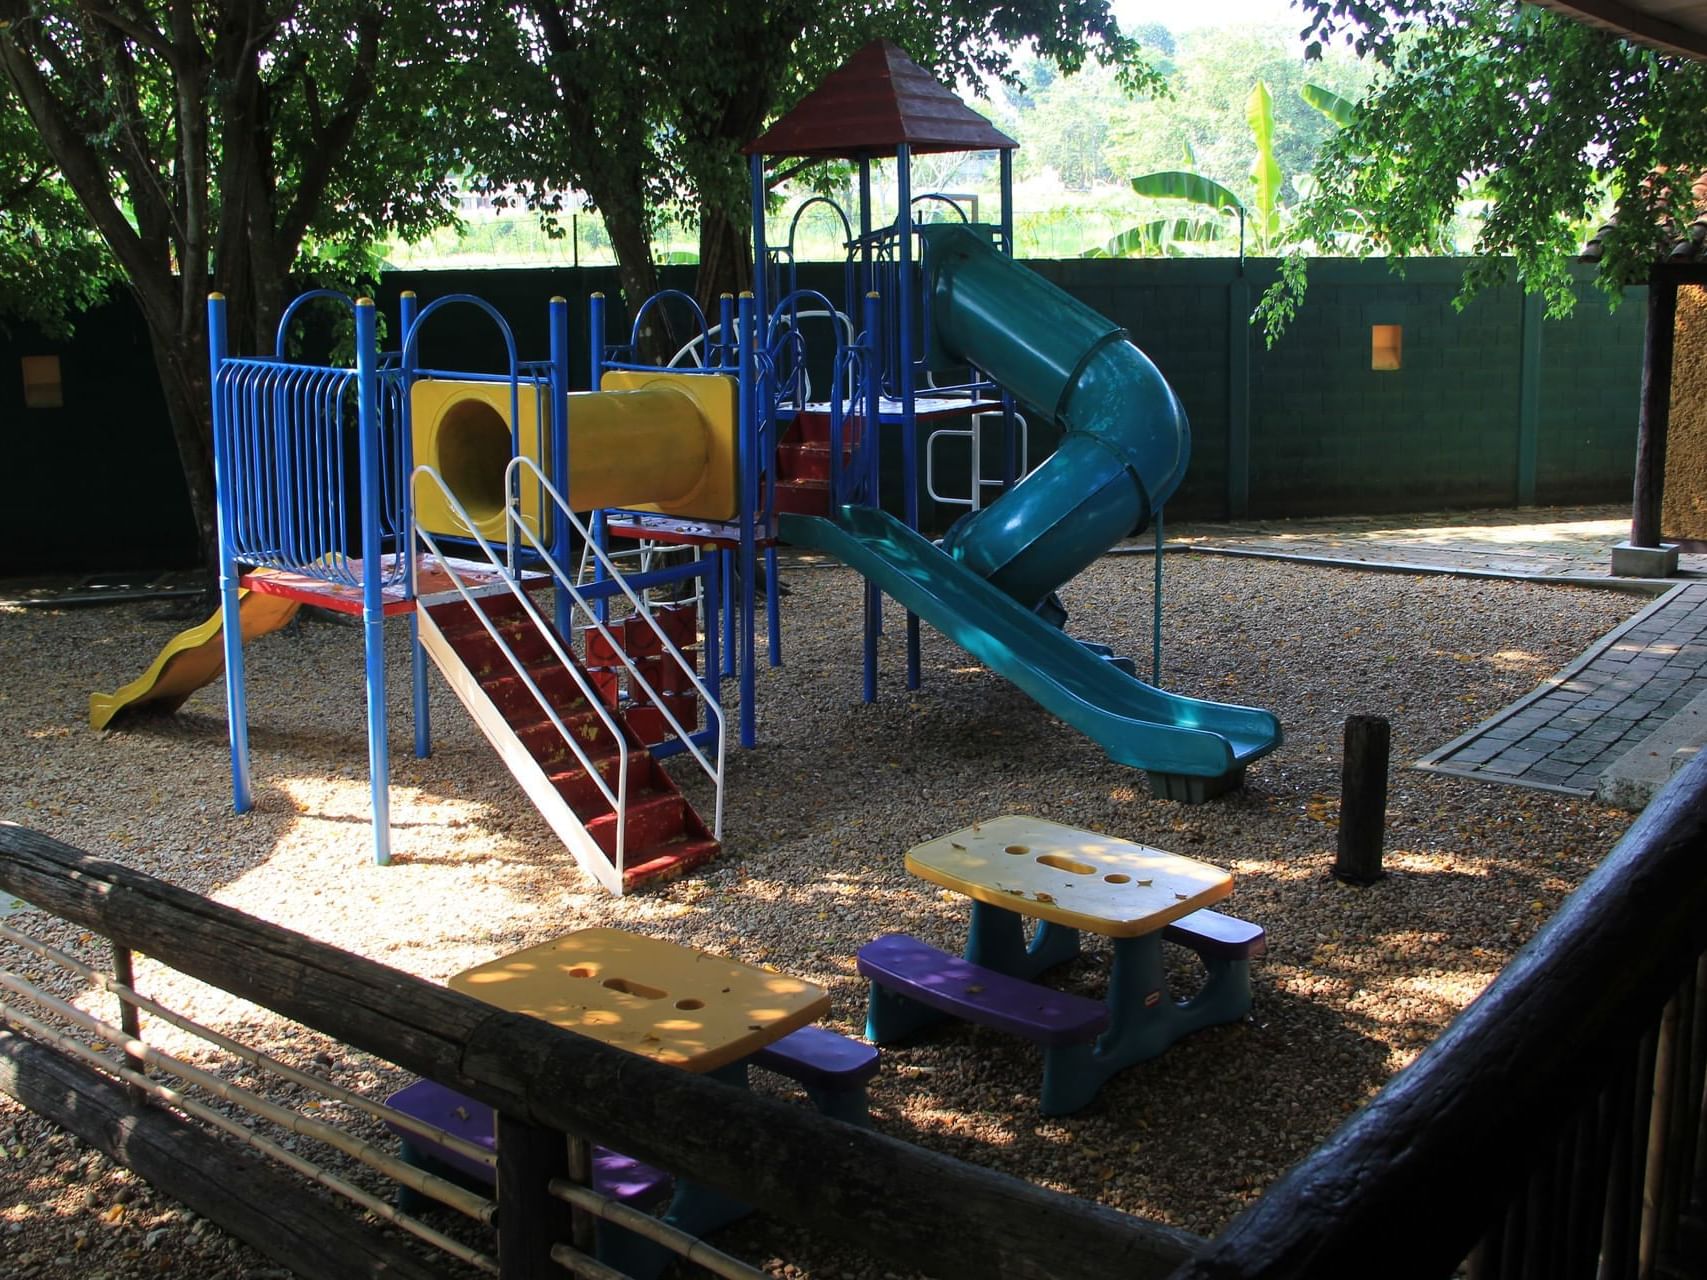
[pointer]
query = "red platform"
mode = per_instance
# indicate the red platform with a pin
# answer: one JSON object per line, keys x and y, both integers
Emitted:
{"x": 432, "y": 578}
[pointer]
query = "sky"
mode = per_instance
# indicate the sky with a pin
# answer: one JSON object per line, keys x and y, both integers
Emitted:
{"x": 1188, "y": 15}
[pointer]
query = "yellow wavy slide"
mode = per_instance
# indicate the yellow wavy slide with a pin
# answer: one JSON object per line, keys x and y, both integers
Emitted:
{"x": 191, "y": 659}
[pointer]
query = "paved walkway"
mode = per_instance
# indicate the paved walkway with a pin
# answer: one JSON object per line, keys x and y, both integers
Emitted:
{"x": 1614, "y": 711}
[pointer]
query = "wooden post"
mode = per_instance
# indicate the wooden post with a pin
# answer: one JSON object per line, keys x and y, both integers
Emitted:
{"x": 129, "y": 1019}
{"x": 530, "y": 1218}
{"x": 1363, "y": 800}
{"x": 1655, "y": 421}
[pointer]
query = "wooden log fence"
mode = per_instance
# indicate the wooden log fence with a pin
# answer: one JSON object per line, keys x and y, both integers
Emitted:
{"x": 880, "y": 1194}
{"x": 1555, "y": 1129}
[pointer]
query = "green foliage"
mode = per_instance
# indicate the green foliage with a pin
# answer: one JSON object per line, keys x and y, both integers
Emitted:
{"x": 229, "y": 142}
{"x": 644, "y": 104}
{"x": 1538, "y": 116}
{"x": 1264, "y": 224}
{"x": 51, "y": 265}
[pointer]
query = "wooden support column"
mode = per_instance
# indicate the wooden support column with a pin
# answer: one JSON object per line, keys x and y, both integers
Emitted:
{"x": 530, "y": 1219}
{"x": 1656, "y": 408}
{"x": 1363, "y": 800}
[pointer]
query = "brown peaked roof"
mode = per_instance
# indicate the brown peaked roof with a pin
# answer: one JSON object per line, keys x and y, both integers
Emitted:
{"x": 871, "y": 104}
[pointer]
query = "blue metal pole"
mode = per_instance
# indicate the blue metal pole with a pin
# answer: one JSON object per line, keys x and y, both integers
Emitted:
{"x": 373, "y": 580}
{"x": 595, "y": 367}
{"x": 1156, "y": 620}
{"x": 909, "y": 427}
{"x": 725, "y": 326}
{"x": 750, "y": 434}
{"x": 773, "y": 610}
{"x": 406, "y": 310}
{"x": 558, "y": 466}
{"x": 595, "y": 339}
{"x": 230, "y": 597}
{"x": 872, "y": 436}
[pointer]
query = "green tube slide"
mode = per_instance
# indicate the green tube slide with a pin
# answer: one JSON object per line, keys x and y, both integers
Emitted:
{"x": 1123, "y": 452}
{"x": 1126, "y": 439}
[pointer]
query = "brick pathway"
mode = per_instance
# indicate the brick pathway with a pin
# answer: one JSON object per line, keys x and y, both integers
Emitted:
{"x": 1569, "y": 731}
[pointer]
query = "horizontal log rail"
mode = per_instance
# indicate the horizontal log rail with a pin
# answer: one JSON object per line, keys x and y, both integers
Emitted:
{"x": 916, "y": 1207}
{"x": 1535, "y": 1100}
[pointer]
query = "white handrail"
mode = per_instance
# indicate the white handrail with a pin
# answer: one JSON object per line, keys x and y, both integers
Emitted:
{"x": 974, "y": 435}
{"x": 713, "y": 710}
{"x": 616, "y": 799}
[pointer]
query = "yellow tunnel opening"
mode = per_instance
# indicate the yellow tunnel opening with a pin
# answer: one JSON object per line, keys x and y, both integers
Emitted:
{"x": 663, "y": 442}
{"x": 473, "y": 450}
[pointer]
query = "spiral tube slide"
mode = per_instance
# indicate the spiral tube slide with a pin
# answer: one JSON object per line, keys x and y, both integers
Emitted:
{"x": 1123, "y": 453}
{"x": 1126, "y": 439}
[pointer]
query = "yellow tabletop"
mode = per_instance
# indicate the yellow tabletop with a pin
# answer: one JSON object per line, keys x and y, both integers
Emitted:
{"x": 651, "y": 997}
{"x": 1072, "y": 877}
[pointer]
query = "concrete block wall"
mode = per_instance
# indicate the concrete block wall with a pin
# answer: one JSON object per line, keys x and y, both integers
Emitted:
{"x": 1491, "y": 404}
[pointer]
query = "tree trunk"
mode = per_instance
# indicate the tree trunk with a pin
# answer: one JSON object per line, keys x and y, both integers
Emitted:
{"x": 656, "y": 341}
{"x": 182, "y": 364}
{"x": 725, "y": 256}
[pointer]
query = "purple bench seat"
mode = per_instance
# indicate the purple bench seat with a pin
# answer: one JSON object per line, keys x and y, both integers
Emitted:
{"x": 1217, "y": 937}
{"x": 819, "y": 1058}
{"x": 614, "y": 1175}
{"x": 902, "y": 965}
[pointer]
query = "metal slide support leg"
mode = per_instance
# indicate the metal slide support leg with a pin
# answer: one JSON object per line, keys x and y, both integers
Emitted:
{"x": 773, "y": 615}
{"x": 418, "y": 674}
{"x": 873, "y": 623}
{"x": 749, "y": 640}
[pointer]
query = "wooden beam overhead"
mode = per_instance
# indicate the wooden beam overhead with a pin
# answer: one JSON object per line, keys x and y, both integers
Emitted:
{"x": 1672, "y": 26}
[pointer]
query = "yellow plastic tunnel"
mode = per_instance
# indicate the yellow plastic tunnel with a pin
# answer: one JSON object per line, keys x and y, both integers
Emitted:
{"x": 653, "y": 441}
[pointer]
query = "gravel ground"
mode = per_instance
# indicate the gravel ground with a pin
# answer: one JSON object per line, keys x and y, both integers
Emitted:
{"x": 1355, "y": 983}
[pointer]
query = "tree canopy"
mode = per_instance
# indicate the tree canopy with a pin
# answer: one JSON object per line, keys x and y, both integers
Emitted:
{"x": 644, "y": 105}
{"x": 1542, "y": 119}
{"x": 51, "y": 265}
{"x": 224, "y": 144}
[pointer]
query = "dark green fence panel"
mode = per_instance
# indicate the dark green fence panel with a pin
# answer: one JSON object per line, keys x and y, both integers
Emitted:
{"x": 1489, "y": 405}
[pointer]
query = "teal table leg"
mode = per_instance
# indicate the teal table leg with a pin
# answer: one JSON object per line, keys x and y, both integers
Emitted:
{"x": 997, "y": 941}
{"x": 891, "y": 1018}
{"x": 1144, "y": 1019}
{"x": 1224, "y": 997}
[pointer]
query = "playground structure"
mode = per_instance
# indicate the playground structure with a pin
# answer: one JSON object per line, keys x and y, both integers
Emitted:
{"x": 451, "y": 498}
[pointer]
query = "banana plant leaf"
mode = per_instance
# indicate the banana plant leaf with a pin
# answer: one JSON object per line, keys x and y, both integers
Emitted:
{"x": 1158, "y": 238}
{"x": 1259, "y": 113}
{"x": 1340, "y": 110}
{"x": 1172, "y": 184}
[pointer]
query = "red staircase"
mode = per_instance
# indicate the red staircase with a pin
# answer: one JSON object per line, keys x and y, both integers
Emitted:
{"x": 664, "y": 835}
{"x": 803, "y": 462}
